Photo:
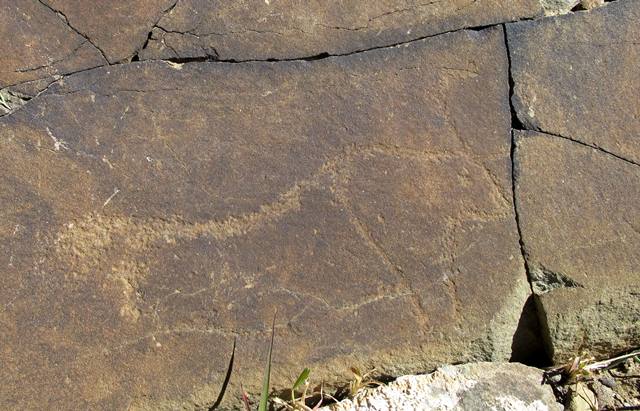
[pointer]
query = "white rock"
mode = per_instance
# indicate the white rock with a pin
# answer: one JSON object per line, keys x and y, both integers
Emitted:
{"x": 479, "y": 386}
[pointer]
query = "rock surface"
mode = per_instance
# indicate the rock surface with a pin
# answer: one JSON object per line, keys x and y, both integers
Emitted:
{"x": 555, "y": 7}
{"x": 49, "y": 38}
{"x": 37, "y": 43}
{"x": 579, "y": 217}
{"x": 481, "y": 386}
{"x": 154, "y": 212}
{"x": 576, "y": 76}
{"x": 284, "y": 29}
{"x": 117, "y": 28}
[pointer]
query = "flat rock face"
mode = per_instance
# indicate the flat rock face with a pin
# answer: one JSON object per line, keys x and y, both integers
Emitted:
{"x": 43, "y": 40}
{"x": 37, "y": 43}
{"x": 480, "y": 386}
{"x": 153, "y": 212}
{"x": 243, "y": 30}
{"x": 49, "y": 38}
{"x": 118, "y": 28}
{"x": 579, "y": 217}
{"x": 576, "y": 76}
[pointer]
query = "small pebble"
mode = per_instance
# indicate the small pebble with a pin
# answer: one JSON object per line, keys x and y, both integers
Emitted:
{"x": 555, "y": 379}
{"x": 608, "y": 381}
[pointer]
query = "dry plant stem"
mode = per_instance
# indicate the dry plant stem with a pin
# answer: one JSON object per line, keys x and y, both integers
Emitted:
{"x": 591, "y": 366}
{"x": 610, "y": 362}
{"x": 624, "y": 377}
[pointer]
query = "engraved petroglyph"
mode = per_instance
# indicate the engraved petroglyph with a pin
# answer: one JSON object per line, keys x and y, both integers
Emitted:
{"x": 88, "y": 243}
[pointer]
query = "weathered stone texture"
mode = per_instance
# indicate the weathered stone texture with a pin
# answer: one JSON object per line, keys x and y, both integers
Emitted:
{"x": 36, "y": 43}
{"x": 118, "y": 28}
{"x": 580, "y": 223}
{"x": 45, "y": 39}
{"x": 577, "y": 75}
{"x": 242, "y": 30}
{"x": 153, "y": 212}
{"x": 555, "y": 7}
{"x": 42, "y": 39}
{"x": 480, "y": 386}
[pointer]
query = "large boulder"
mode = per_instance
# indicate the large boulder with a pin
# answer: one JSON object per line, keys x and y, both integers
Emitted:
{"x": 154, "y": 212}
{"x": 478, "y": 386}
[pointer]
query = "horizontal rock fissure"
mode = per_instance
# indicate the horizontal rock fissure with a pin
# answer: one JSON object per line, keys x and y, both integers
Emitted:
{"x": 319, "y": 56}
{"x": 582, "y": 143}
{"x": 214, "y": 59}
{"x": 215, "y": 56}
{"x": 155, "y": 25}
{"x": 210, "y": 59}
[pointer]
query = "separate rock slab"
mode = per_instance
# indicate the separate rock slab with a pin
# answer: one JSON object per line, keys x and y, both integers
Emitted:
{"x": 576, "y": 76}
{"x": 580, "y": 222}
{"x": 285, "y": 29}
{"x": 154, "y": 212}
{"x": 481, "y": 386}
{"x": 44, "y": 39}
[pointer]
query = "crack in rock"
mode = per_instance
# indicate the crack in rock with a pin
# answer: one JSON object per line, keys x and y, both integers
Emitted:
{"x": 66, "y": 20}
{"x": 592, "y": 146}
{"x": 544, "y": 280}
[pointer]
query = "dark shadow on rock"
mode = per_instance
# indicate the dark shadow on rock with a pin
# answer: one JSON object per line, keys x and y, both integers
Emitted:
{"x": 528, "y": 346}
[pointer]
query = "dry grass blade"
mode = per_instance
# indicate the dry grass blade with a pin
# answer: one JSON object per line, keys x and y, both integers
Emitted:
{"x": 227, "y": 378}
{"x": 612, "y": 362}
{"x": 264, "y": 396}
{"x": 361, "y": 381}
